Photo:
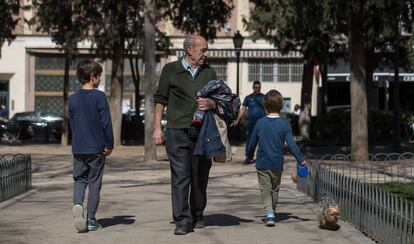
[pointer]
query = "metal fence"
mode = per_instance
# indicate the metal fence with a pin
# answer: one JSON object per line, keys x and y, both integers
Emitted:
{"x": 15, "y": 175}
{"x": 383, "y": 216}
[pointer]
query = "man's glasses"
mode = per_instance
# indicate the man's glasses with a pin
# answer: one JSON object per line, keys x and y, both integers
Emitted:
{"x": 257, "y": 87}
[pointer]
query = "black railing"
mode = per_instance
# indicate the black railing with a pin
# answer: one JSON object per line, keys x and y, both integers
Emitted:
{"x": 381, "y": 215}
{"x": 15, "y": 175}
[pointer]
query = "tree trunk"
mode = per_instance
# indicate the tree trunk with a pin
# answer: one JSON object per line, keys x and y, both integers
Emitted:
{"x": 369, "y": 70}
{"x": 137, "y": 80}
{"x": 396, "y": 110}
{"x": 115, "y": 99}
{"x": 65, "y": 126}
{"x": 359, "y": 125}
{"x": 306, "y": 100}
{"x": 324, "y": 89}
{"x": 149, "y": 59}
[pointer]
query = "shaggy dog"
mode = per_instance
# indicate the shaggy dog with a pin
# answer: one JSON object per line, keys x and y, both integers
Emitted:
{"x": 328, "y": 214}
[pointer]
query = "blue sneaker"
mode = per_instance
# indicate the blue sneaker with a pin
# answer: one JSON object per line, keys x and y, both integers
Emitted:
{"x": 270, "y": 219}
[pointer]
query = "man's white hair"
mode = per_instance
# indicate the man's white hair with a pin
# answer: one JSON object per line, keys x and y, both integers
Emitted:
{"x": 189, "y": 41}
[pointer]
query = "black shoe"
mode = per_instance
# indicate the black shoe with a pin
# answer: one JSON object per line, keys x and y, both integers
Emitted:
{"x": 93, "y": 225}
{"x": 200, "y": 224}
{"x": 183, "y": 230}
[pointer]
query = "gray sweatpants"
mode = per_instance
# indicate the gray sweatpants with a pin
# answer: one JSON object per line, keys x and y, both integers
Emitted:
{"x": 88, "y": 171}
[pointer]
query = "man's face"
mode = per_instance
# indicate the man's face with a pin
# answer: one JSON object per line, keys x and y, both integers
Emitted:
{"x": 256, "y": 88}
{"x": 198, "y": 52}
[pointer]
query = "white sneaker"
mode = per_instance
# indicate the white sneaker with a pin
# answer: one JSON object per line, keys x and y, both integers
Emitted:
{"x": 80, "y": 223}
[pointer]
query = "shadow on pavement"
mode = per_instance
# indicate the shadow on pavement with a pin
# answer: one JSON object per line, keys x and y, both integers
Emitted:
{"x": 224, "y": 220}
{"x": 117, "y": 220}
{"x": 280, "y": 216}
{"x": 285, "y": 216}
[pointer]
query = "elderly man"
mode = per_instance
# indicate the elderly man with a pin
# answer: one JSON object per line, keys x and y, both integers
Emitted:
{"x": 178, "y": 85}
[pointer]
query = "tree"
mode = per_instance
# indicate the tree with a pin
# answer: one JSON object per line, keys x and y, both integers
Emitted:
{"x": 199, "y": 16}
{"x": 117, "y": 32}
{"x": 145, "y": 36}
{"x": 66, "y": 27}
{"x": 9, "y": 10}
{"x": 149, "y": 57}
{"x": 296, "y": 25}
{"x": 367, "y": 25}
{"x": 109, "y": 29}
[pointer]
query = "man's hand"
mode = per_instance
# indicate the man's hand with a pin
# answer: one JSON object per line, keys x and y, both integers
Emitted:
{"x": 158, "y": 137}
{"x": 205, "y": 104}
{"x": 107, "y": 151}
{"x": 303, "y": 164}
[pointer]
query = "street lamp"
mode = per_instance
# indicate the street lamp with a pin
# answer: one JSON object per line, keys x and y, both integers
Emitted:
{"x": 238, "y": 43}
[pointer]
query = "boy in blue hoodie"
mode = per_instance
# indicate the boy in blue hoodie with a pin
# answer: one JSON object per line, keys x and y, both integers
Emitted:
{"x": 92, "y": 141}
{"x": 271, "y": 133}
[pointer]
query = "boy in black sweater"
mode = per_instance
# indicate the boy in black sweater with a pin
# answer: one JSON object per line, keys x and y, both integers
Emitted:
{"x": 92, "y": 141}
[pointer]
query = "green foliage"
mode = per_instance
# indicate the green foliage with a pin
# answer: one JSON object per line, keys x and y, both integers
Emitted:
{"x": 404, "y": 190}
{"x": 200, "y": 16}
{"x": 382, "y": 22}
{"x": 111, "y": 23}
{"x": 9, "y": 10}
{"x": 65, "y": 21}
{"x": 293, "y": 25}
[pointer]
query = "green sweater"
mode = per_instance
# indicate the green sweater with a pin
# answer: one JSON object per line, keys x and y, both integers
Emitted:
{"x": 178, "y": 91}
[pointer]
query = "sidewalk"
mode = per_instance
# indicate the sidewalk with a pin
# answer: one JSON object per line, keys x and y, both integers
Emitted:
{"x": 135, "y": 205}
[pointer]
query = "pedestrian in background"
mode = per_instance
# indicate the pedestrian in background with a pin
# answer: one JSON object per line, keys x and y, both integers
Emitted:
{"x": 253, "y": 103}
{"x": 92, "y": 142}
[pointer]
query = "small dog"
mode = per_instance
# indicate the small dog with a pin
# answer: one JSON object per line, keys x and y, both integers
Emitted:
{"x": 328, "y": 214}
{"x": 294, "y": 176}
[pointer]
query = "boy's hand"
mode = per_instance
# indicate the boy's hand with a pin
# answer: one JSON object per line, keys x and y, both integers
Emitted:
{"x": 303, "y": 163}
{"x": 107, "y": 151}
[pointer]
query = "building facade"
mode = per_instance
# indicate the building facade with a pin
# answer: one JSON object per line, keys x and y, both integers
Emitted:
{"x": 32, "y": 67}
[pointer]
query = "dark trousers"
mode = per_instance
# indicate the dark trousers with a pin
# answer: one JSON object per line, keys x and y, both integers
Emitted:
{"x": 88, "y": 171}
{"x": 250, "y": 127}
{"x": 189, "y": 178}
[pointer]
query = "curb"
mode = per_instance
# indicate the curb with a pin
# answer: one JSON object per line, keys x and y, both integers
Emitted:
{"x": 17, "y": 198}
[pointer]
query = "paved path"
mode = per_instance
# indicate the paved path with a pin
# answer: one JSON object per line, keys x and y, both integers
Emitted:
{"x": 135, "y": 205}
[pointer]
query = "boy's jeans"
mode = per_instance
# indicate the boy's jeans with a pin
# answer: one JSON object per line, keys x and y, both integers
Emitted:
{"x": 269, "y": 185}
{"x": 88, "y": 171}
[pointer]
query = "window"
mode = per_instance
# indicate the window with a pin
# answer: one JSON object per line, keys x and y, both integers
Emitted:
{"x": 220, "y": 66}
{"x": 274, "y": 70}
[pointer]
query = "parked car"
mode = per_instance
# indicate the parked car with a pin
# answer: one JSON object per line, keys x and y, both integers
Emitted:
{"x": 133, "y": 128}
{"x": 338, "y": 108}
{"x": 33, "y": 126}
